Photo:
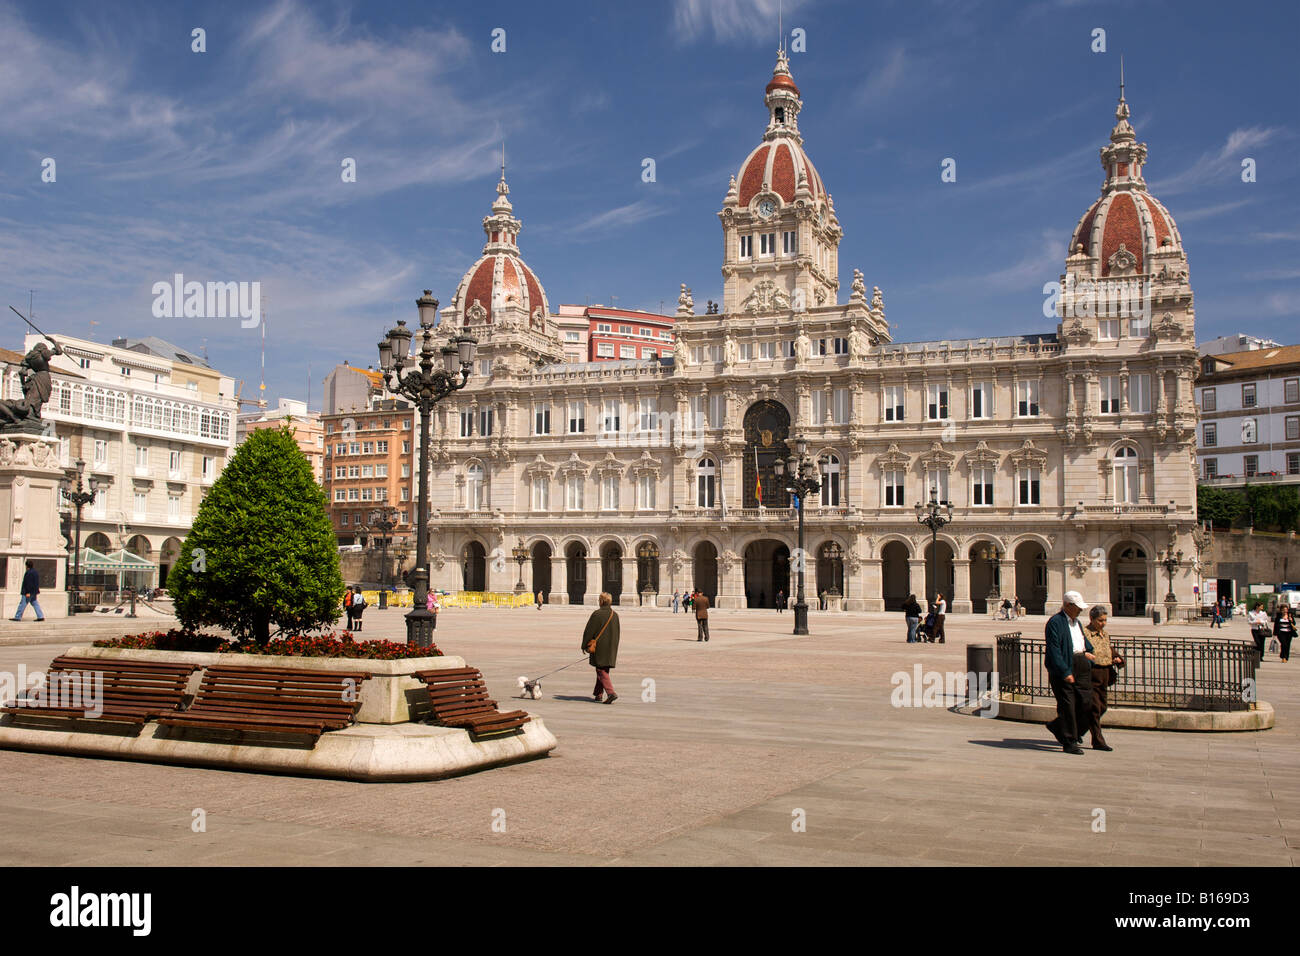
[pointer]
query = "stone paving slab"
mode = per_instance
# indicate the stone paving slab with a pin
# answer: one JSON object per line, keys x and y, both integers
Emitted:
{"x": 739, "y": 732}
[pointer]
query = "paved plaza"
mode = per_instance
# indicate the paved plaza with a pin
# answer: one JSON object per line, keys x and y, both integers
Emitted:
{"x": 745, "y": 736}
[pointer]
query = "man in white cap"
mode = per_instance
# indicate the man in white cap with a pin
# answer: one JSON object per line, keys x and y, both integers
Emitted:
{"x": 1068, "y": 659}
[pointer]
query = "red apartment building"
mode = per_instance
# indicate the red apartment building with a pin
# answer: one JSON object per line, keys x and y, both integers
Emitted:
{"x": 625, "y": 334}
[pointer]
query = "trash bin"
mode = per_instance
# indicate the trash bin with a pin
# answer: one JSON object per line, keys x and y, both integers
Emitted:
{"x": 383, "y": 600}
{"x": 1155, "y": 615}
{"x": 979, "y": 670}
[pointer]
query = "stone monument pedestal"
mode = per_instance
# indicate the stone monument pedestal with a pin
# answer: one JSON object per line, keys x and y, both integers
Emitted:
{"x": 29, "y": 522}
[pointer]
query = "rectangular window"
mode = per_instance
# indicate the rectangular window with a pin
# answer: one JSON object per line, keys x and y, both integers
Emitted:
{"x": 1291, "y": 391}
{"x": 843, "y": 403}
{"x": 981, "y": 400}
{"x": 173, "y": 508}
{"x": 466, "y": 423}
{"x": 697, "y": 411}
{"x": 767, "y": 244}
{"x": 1211, "y": 467}
{"x": 1210, "y": 435}
{"x": 646, "y": 414}
{"x": 715, "y": 353}
{"x": 649, "y": 353}
{"x": 354, "y": 471}
{"x": 381, "y": 471}
{"x": 697, "y": 354}
{"x": 1293, "y": 463}
{"x": 367, "y": 471}
{"x": 746, "y": 351}
{"x": 485, "y": 421}
{"x": 1251, "y": 463}
{"x": 1107, "y": 329}
{"x": 820, "y": 404}
{"x": 1293, "y": 428}
{"x": 573, "y": 493}
{"x": 354, "y": 494}
{"x": 603, "y": 327}
{"x": 1139, "y": 326}
{"x": 938, "y": 402}
{"x": 174, "y": 463}
{"x": 101, "y": 452}
{"x": 340, "y": 494}
{"x": 612, "y": 412}
{"x": 787, "y": 348}
{"x": 1110, "y": 394}
{"x": 605, "y": 349}
{"x": 1029, "y": 481}
{"x": 645, "y": 492}
{"x": 627, "y": 351}
{"x": 1027, "y": 399}
{"x": 893, "y": 403}
{"x": 577, "y": 418}
{"x": 981, "y": 489}
{"x": 406, "y": 448}
{"x": 209, "y": 467}
{"x": 789, "y": 243}
{"x": 645, "y": 333}
{"x": 141, "y": 459}
{"x": 99, "y": 508}
{"x": 1249, "y": 431}
{"x": 609, "y": 493}
{"x": 572, "y": 336}
{"x": 354, "y": 448}
{"x": 718, "y": 410}
{"x": 705, "y": 486}
{"x": 841, "y": 346}
{"x": 367, "y": 448}
{"x": 367, "y": 494}
{"x": 1139, "y": 394}
{"x": 484, "y": 369}
{"x": 894, "y": 488}
{"x": 625, "y": 330}
{"x": 406, "y": 471}
{"x": 746, "y": 247}
{"x": 937, "y": 481}
{"x": 541, "y": 494}
{"x": 340, "y": 471}
{"x": 141, "y": 504}
{"x": 1248, "y": 396}
{"x": 767, "y": 350}
{"x": 541, "y": 419}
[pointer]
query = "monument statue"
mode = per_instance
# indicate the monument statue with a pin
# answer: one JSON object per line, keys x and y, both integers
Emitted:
{"x": 36, "y": 384}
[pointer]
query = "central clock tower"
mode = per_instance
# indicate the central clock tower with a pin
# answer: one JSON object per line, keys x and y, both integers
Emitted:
{"x": 780, "y": 233}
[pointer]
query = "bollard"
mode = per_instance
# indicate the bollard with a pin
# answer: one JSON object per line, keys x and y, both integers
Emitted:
{"x": 383, "y": 600}
{"x": 131, "y": 613}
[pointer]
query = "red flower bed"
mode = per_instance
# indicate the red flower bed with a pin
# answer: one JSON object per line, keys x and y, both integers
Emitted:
{"x": 318, "y": 645}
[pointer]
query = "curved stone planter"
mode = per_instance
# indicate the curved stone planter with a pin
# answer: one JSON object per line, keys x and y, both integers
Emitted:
{"x": 1133, "y": 718}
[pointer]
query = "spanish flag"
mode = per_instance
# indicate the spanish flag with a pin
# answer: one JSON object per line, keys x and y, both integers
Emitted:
{"x": 758, "y": 480}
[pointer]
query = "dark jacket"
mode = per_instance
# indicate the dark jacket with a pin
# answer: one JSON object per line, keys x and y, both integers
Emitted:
{"x": 702, "y": 606}
{"x": 912, "y": 608}
{"x": 31, "y": 582}
{"x": 1281, "y": 627}
{"x": 606, "y": 653}
{"x": 1060, "y": 648}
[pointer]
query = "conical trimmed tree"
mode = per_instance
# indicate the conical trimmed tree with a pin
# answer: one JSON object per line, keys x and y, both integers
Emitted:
{"x": 262, "y": 551}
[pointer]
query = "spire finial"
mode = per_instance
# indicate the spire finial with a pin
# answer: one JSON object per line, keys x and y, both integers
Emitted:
{"x": 1121, "y": 76}
{"x": 780, "y": 25}
{"x": 503, "y": 160}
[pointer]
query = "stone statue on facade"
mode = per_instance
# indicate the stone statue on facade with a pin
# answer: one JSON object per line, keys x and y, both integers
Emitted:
{"x": 680, "y": 359}
{"x": 730, "y": 353}
{"x": 859, "y": 287}
{"x": 36, "y": 385}
{"x": 802, "y": 348}
{"x": 877, "y": 299}
{"x": 685, "y": 302}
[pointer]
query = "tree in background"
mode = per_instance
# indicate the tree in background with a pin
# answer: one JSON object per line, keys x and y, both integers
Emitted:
{"x": 262, "y": 551}
{"x": 1220, "y": 506}
{"x": 1274, "y": 507}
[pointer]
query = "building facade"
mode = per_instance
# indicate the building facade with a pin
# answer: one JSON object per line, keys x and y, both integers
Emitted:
{"x": 368, "y": 457}
{"x": 304, "y": 425}
{"x": 1068, "y": 456}
{"x": 153, "y": 422}
{"x": 618, "y": 334}
{"x": 1249, "y": 406}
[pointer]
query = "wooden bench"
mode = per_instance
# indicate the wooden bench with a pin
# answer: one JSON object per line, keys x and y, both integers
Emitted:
{"x": 273, "y": 700}
{"x": 132, "y": 692}
{"x": 459, "y": 698}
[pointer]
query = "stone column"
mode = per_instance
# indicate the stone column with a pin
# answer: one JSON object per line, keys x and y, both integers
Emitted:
{"x": 916, "y": 572}
{"x": 1009, "y": 577}
{"x": 731, "y": 584}
{"x": 629, "y": 596}
{"x": 592, "y": 597}
{"x": 871, "y": 593}
{"x": 559, "y": 580}
{"x": 961, "y": 602}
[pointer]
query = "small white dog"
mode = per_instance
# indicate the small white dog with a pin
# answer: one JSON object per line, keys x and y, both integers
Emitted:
{"x": 530, "y": 689}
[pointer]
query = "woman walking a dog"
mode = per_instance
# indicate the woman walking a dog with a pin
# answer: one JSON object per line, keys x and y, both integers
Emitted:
{"x": 600, "y": 641}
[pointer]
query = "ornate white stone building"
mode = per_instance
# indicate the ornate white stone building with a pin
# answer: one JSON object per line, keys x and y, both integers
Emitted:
{"x": 1071, "y": 453}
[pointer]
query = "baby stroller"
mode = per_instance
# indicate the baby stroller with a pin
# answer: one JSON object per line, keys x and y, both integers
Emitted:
{"x": 925, "y": 630}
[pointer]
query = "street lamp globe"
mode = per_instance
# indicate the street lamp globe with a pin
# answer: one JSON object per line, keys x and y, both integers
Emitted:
{"x": 428, "y": 308}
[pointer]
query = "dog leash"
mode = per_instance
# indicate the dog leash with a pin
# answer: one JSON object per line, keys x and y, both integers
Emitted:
{"x": 556, "y": 671}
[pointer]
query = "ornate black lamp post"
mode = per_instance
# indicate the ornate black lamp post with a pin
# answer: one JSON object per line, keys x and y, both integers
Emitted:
{"x": 1171, "y": 561}
{"x": 384, "y": 521}
{"x": 79, "y": 498}
{"x": 993, "y": 554}
{"x": 934, "y": 515}
{"x": 801, "y": 480}
{"x": 520, "y": 552}
{"x": 430, "y": 380}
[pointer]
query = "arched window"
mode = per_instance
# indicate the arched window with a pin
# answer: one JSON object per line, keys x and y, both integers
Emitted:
{"x": 831, "y": 482}
{"x": 706, "y": 482}
{"x": 474, "y": 488}
{"x": 1126, "y": 476}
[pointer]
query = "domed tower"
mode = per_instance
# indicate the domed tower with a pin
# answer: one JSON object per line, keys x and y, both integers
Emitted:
{"x": 781, "y": 235}
{"x": 500, "y": 300}
{"x": 1126, "y": 260}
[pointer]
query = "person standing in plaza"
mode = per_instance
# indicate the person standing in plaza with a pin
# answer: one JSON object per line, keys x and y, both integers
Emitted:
{"x": 677, "y": 600}
{"x": 358, "y": 606}
{"x": 431, "y": 605}
{"x": 701, "y": 605}
{"x": 539, "y": 600}
{"x": 347, "y": 608}
{"x": 1217, "y": 620}
{"x": 31, "y": 587}
{"x": 912, "y": 615}
{"x": 600, "y": 641}
{"x": 1105, "y": 664}
{"x": 1258, "y": 620}
{"x": 780, "y": 601}
{"x": 940, "y": 612}
{"x": 1283, "y": 627}
{"x": 1068, "y": 651}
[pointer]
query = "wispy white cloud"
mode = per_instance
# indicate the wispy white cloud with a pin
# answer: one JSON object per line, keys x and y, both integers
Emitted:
{"x": 1207, "y": 212}
{"x": 1222, "y": 166}
{"x": 883, "y": 78}
{"x": 620, "y": 216}
{"x": 730, "y": 21}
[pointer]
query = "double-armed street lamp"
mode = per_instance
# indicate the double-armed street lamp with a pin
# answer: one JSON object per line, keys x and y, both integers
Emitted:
{"x": 1171, "y": 561}
{"x": 994, "y": 555}
{"x": 800, "y": 475}
{"x": 434, "y": 374}
{"x": 80, "y": 497}
{"x": 520, "y": 552}
{"x": 383, "y": 521}
{"x": 934, "y": 515}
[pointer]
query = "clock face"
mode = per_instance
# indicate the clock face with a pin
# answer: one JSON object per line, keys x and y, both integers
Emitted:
{"x": 766, "y": 208}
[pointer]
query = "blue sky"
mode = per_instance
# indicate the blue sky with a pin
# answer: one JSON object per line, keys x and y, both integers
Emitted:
{"x": 225, "y": 165}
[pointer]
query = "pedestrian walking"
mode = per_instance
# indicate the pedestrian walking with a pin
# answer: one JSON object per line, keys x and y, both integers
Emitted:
{"x": 940, "y": 612}
{"x": 701, "y": 604}
{"x": 1258, "y": 620}
{"x": 1017, "y": 608}
{"x": 431, "y": 605}
{"x": 677, "y": 600}
{"x": 1106, "y": 663}
{"x": 1283, "y": 627}
{"x": 358, "y": 607}
{"x": 1068, "y": 656}
{"x": 347, "y": 607}
{"x": 600, "y": 641}
{"x": 31, "y": 588}
{"x": 780, "y": 601}
{"x": 539, "y": 600}
{"x": 1217, "y": 620}
{"x": 911, "y": 614}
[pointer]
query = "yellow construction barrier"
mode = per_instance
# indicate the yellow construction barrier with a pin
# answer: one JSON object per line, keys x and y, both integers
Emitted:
{"x": 456, "y": 599}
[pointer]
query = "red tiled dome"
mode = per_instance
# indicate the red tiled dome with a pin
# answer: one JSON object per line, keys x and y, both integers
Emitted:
{"x": 1132, "y": 218}
{"x": 777, "y": 164}
{"x": 499, "y": 280}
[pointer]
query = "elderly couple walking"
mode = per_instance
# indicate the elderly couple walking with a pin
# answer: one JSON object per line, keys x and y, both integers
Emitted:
{"x": 1081, "y": 666}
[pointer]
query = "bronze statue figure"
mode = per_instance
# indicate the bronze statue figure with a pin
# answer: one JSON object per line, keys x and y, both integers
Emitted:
{"x": 36, "y": 384}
